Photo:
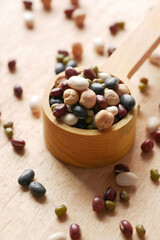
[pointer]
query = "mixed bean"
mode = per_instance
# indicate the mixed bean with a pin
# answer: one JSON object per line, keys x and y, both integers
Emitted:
{"x": 79, "y": 93}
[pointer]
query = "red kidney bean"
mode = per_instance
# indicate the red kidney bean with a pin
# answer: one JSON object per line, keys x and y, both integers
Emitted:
{"x": 126, "y": 228}
{"x": 75, "y": 231}
{"x": 69, "y": 11}
{"x": 101, "y": 102}
{"x": 98, "y": 204}
{"x": 64, "y": 85}
{"x": 147, "y": 145}
{"x": 18, "y": 143}
{"x": 157, "y": 136}
{"x": 114, "y": 28}
{"x": 63, "y": 52}
{"x": 122, "y": 112}
{"x": 89, "y": 73}
{"x": 70, "y": 71}
{"x": 59, "y": 110}
{"x": 56, "y": 92}
{"x": 12, "y": 65}
{"x": 110, "y": 194}
{"x": 18, "y": 91}
{"x": 27, "y": 4}
{"x": 120, "y": 168}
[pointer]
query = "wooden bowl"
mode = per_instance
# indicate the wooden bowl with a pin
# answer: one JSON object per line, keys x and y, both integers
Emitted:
{"x": 94, "y": 148}
{"x": 87, "y": 148}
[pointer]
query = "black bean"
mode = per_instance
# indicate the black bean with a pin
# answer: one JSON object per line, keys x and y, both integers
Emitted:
{"x": 71, "y": 63}
{"x": 111, "y": 82}
{"x": 116, "y": 119}
{"x": 79, "y": 110}
{"x": 81, "y": 124}
{"x": 55, "y": 100}
{"x": 127, "y": 101}
{"x": 37, "y": 189}
{"x": 97, "y": 88}
{"x": 59, "y": 68}
{"x": 26, "y": 177}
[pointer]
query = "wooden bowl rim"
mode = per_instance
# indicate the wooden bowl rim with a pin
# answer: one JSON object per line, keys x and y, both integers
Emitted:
{"x": 87, "y": 132}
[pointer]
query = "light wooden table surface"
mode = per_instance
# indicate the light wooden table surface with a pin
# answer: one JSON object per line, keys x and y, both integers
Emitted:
{"x": 21, "y": 215}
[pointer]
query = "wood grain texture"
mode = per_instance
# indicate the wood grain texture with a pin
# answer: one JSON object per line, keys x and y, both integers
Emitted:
{"x": 22, "y": 216}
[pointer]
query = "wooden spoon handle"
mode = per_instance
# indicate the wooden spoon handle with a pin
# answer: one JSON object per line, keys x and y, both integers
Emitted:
{"x": 127, "y": 59}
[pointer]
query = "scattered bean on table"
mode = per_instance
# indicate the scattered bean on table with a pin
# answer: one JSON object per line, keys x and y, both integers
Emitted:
{"x": 126, "y": 179}
{"x": 57, "y": 236}
{"x": 140, "y": 230}
{"x": 154, "y": 174}
{"x": 12, "y": 65}
{"x": 75, "y": 231}
{"x": 126, "y": 228}
{"x": 61, "y": 210}
{"x": 18, "y": 91}
{"x": 147, "y": 145}
{"x": 37, "y": 189}
{"x": 18, "y": 144}
{"x": 26, "y": 177}
{"x": 124, "y": 196}
{"x": 110, "y": 194}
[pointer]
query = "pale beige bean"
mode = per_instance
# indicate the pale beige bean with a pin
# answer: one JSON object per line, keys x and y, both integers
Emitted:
{"x": 69, "y": 118}
{"x": 113, "y": 110}
{"x": 57, "y": 236}
{"x": 111, "y": 97}
{"x": 104, "y": 119}
{"x": 88, "y": 99}
{"x": 121, "y": 89}
{"x": 126, "y": 179}
{"x": 78, "y": 83}
{"x": 155, "y": 59}
{"x": 152, "y": 124}
{"x": 70, "y": 96}
{"x": 103, "y": 75}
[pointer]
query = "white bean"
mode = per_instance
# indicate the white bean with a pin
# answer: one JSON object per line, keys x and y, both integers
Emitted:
{"x": 69, "y": 119}
{"x": 78, "y": 83}
{"x": 113, "y": 110}
{"x": 57, "y": 236}
{"x": 35, "y": 104}
{"x": 99, "y": 45}
{"x": 28, "y": 19}
{"x": 152, "y": 124}
{"x": 126, "y": 179}
{"x": 103, "y": 75}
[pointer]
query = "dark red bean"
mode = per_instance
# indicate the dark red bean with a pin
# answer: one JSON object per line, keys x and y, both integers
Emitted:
{"x": 18, "y": 91}
{"x": 147, "y": 145}
{"x": 69, "y": 11}
{"x": 12, "y": 65}
{"x": 75, "y": 231}
{"x": 110, "y": 194}
{"x": 89, "y": 73}
{"x": 64, "y": 85}
{"x": 111, "y": 50}
{"x": 63, "y": 52}
{"x": 101, "y": 102}
{"x": 98, "y": 204}
{"x": 114, "y": 28}
{"x": 157, "y": 136}
{"x": 18, "y": 143}
{"x": 69, "y": 72}
{"x": 122, "y": 112}
{"x": 120, "y": 168}
{"x": 27, "y": 4}
{"x": 56, "y": 92}
{"x": 59, "y": 110}
{"x": 126, "y": 228}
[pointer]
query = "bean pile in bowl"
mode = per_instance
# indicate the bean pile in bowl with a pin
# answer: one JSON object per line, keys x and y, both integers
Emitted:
{"x": 90, "y": 99}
